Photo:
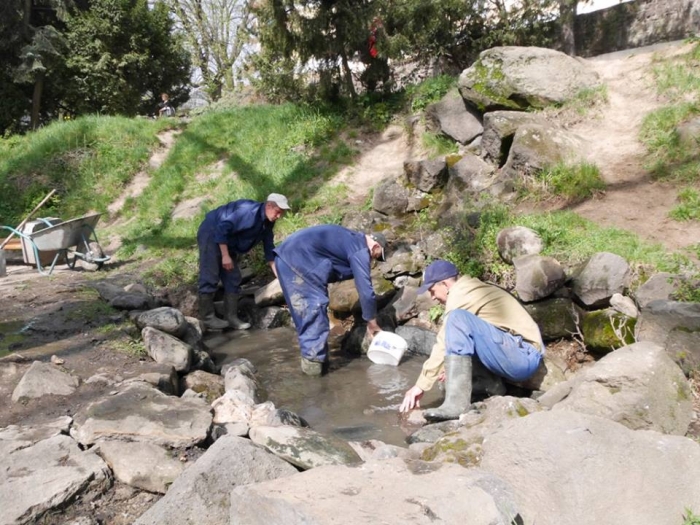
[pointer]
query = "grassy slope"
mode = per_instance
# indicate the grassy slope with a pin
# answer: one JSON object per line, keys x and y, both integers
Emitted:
{"x": 247, "y": 152}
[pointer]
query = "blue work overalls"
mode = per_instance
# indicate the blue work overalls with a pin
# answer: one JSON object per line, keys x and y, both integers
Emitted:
{"x": 240, "y": 225}
{"x": 306, "y": 262}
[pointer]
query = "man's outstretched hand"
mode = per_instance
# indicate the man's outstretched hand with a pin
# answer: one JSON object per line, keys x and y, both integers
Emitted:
{"x": 411, "y": 399}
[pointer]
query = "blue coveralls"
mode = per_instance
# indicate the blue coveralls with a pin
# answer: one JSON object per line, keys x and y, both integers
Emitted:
{"x": 306, "y": 262}
{"x": 239, "y": 224}
{"x": 503, "y": 353}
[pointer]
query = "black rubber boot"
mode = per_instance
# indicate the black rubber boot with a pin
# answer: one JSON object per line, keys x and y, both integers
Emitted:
{"x": 458, "y": 389}
{"x": 207, "y": 314}
{"x": 231, "y": 312}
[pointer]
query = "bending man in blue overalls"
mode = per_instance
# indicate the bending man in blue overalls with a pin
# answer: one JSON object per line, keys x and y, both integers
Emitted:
{"x": 227, "y": 232}
{"x": 481, "y": 321}
{"x": 306, "y": 262}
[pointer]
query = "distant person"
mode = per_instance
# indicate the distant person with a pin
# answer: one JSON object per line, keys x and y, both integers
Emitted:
{"x": 165, "y": 109}
{"x": 306, "y": 262}
{"x": 481, "y": 321}
{"x": 227, "y": 232}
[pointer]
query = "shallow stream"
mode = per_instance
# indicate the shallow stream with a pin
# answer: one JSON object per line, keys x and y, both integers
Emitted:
{"x": 357, "y": 400}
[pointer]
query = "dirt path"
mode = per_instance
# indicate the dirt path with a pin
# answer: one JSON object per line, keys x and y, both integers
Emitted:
{"x": 381, "y": 157}
{"x": 632, "y": 201}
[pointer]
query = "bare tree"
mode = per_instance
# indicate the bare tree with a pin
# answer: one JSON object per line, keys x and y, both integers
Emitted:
{"x": 218, "y": 34}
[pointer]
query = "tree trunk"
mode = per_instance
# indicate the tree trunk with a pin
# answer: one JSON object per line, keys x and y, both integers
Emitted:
{"x": 567, "y": 18}
{"x": 36, "y": 100}
{"x": 27, "y": 18}
{"x": 347, "y": 73}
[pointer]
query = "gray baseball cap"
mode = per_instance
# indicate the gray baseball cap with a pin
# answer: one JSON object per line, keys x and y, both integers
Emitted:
{"x": 279, "y": 199}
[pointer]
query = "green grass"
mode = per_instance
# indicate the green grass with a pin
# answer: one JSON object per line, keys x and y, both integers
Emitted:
{"x": 88, "y": 161}
{"x": 573, "y": 182}
{"x": 678, "y": 83}
{"x": 689, "y": 518}
{"x": 438, "y": 145}
{"x": 429, "y": 91}
{"x": 257, "y": 150}
{"x": 689, "y": 207}
{"x": 567, "y": 237}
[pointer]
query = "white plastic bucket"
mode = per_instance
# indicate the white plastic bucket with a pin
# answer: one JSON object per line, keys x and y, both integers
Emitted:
{"x": 387, "y": 348}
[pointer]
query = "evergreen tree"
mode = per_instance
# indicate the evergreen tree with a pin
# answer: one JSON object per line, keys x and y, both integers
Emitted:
{"x": 123, "y": 54}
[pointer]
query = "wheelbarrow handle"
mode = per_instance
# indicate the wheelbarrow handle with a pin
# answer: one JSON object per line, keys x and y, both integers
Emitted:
{"x": 19, "y": 228}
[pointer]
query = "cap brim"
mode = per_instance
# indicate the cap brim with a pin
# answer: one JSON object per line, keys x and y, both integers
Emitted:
{"x": 424, "y": 288}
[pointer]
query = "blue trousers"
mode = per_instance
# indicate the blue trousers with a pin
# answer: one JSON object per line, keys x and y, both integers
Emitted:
{"x": 308, "y": 303}
{"x": 210, "y": 268}
{"x": 504, "y": 354}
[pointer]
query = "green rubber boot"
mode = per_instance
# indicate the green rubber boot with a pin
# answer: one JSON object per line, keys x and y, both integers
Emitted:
{"x": 458, "y": 389}
{"x": 485, "y": 383}
{"x": 311, "y": 368}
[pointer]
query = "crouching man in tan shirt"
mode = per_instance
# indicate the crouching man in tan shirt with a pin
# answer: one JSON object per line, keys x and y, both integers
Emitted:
{"x": 480, "y": 320}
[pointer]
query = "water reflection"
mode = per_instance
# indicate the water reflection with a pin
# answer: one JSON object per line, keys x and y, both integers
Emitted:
{"x": 357, "y": 400}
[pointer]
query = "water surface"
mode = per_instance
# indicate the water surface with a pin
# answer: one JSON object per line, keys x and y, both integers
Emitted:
{"x": 357, "y": 400}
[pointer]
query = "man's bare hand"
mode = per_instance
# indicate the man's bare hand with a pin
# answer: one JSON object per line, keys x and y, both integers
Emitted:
{"x": 373, "y": 328}
{"x": 227, "y": 263}
{"x": 411, "y": 399}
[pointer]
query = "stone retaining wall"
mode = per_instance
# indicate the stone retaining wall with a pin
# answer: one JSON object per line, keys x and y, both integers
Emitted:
{"x": 636, "y": 24}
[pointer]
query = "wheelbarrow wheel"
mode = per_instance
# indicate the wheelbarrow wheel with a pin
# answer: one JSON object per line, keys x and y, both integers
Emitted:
{"x": 87, "y": 263}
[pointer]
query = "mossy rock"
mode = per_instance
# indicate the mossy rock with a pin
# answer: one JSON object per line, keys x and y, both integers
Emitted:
{"x": 607, "y": 330}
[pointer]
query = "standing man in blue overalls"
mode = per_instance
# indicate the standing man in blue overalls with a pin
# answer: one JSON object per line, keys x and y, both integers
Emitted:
{"x": 306, "y": 262}
{"x": 227, "y": 232}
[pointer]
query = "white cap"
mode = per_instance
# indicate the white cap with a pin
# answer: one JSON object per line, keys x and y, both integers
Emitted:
{"x": 280, "y": 200}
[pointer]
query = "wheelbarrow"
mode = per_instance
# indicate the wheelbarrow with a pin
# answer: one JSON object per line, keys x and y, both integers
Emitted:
{"x": 71, "y": 240}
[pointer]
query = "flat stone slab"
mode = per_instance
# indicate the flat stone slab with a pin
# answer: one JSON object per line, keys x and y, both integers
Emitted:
{"x": 202, "y": 493}
{"x": 304, "y": 447}
{"x": 35, "y": 479}
{"x": 142, "y": 413}
{"x": 141, "y": 465}
{"x": 381, "y": 492}
{"x": 44, "y": 379}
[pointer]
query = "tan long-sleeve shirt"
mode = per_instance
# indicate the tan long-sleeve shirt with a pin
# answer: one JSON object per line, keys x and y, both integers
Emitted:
{"x": 491, "y": 304}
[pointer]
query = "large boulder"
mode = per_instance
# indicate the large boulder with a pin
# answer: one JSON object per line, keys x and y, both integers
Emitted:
{"x": 389, "y": 491}
{"x": 426, "y": 175}
{"x": 142, "y": 413}
{"x": 499, "y": 130}
{"x": 453, "y": 118}
{"x": 393, "y": 197}
{"x": 660, "y": 286}
{"x": 472, "y": 175}
{"x": 569, "y": 468}
{"x": 141, "y": 465}
{"x": 343, "y": 296}
{"x": 304, "y": 447}
{"x": 601, "y": 276}
{"x": 49, "y": 474}
{"x": 606, "y": 330}
{"x": 166, "y": 319}
{"x": 202, "y": 494}
{"x": 675, "y": 326}
{"x": 516, "y": 241}
{"x": 557, "y": 317}
{"x": 638, "y": 386}
{"x": 166, "y": 349}
{"x": 521, "y": 78}
{"x": 537, "y": 277}
{"x": 44, "y": 379}
{"x": 538, "y": 146}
